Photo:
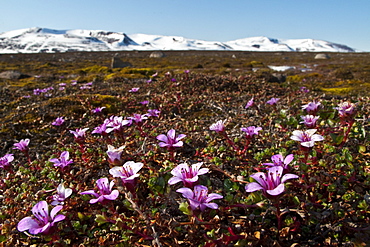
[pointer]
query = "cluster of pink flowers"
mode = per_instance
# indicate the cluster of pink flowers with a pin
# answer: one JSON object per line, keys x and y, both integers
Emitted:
{"x": 197, "y": 195}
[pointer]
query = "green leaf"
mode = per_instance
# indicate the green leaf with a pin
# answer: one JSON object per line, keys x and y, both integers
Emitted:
{"x": 184, "y": 207}
{"x": 361, "y": 149}
{"x": 101, "y": 219}
{"x": 337, "y": 139}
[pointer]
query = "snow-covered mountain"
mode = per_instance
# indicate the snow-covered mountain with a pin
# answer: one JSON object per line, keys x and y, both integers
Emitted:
{"x": 36, "y": 40}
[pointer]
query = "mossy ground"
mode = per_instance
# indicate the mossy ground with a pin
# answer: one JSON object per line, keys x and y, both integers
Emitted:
{"x": 328, "y": 209}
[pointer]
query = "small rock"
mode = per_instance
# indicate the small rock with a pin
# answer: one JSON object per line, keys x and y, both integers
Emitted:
{"x": 118, "y": 63}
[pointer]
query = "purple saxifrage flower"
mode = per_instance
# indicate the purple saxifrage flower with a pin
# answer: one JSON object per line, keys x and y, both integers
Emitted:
{"x": 219, "y": 126}
{"x": 42, "y": 222}
{"x": 312, "y": 107}
{"x": 101, "y": 129}
{"x": 79, "y": 133}
{"x": 199, "y": 197}
{"x": 153, "y": 113}
{"x": 128, "y": 172}
{"x": 145, "y": 102}
{"x": 272, "y": 101}
{"x": 271, "y": 183}
{"x": 187, "y": 174}
{"x": 98, "y": 110}
{"x": 22, "y": 145}
{"x": 134, "y": 89}
{"x": 250, "y": 103}
{"x": 138, "y": 118}
{"x": 250, "y": 131}
{"x": 279, "y": 160}
{"x": 105, "y": 191}
{"x": 116, "y": 124}
{"x": 346, "y": 110}
{"x": 62, "y": 194}
{"x": 170, "y": 140}
{"x": 63, "y": 161}
{"x": 58, "y": 121}
{"x": 5, "y": 160}
{"x": 304, "y": 89}
{"x": 114, "y": 155}
{"x": 306, "y": 138}
{"x": 309, "y": 120}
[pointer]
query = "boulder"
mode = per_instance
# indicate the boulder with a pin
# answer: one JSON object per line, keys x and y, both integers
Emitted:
{"x": 12, "y": 75}
{"x": 118, "y": 63}
{"x": 157, "y": 54}
{"x": 322, "y": 56}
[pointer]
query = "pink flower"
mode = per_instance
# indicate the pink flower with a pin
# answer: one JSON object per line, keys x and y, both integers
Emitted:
{"x": 138, "y": 118}
{"x": 304, "y": 90}
{"x": 170, "y": 140}
{"x": 5, "y": 160}
{"x": 105, "y": 191}
{"x": 128, "y": 172}
{"x": 250, "y": 103}
{"x": 114, "y": 154}
{"x": 98, "y": 110}
{"x": 306, "y": 138}
{"x": 42, "y": 222}
{"x": 63, "y": 161}
{"x": 134, "y": 89}
{"x": 22, "y": 145}
{"x": 188, "y": 175}
{"x": 116, "y": 124}
{"x": 250, "y": 131}
{"x": 312, "y": 107}
{"x": 271, "y": 183}
{"x": 309, "y": 120}
{"x": 79, "y": 133}
{"x": 58, "y": 121}
{"x": 279, "y": 160}
{"x": 62, "y": 194}
{"x": 346, "y": 109}
{"x": 219, "y": 126}
{"x": 272, "y": 101}
{"x": 153, "y": 113}
{"x": 199, "y": 198}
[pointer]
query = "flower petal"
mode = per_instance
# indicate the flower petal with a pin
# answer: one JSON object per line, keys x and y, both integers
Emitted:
{"x": 277, "y": 191}
{"x": 67, "y": 192}
{"x": 112, "y": 196}
{"x": 41, "y": 211}
{"x": 186, "y": 192}
{"x": 26, "y": 224}
{"x": 213, "y": 196}
{"x": 162, "y": 138}
{"x": 54, "y": 211}
{"x": 174, "y": 180}
{"x": 171, "y": 134}
{"x": 289, "y": 158}
{"x": 210, "y": 205}
{"x": 90, "y": 192}
{"x": 38, "y": 230}
{"x": 288, "y": 176}
{"x": 58, "y": 218}
{"x": 251, "y": 187}
{"x": 178, "y": 144}
{"x": 116, "y": 171}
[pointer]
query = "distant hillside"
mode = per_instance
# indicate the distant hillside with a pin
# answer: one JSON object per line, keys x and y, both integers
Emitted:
{"x": 37, "y": 40}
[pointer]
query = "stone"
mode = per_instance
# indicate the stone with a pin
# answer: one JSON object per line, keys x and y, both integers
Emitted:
{"x": 157, "y": 54}
{"x": 12, "y": 75}
{"x": 322, "y": 56}
{"x": 118, "y": 63}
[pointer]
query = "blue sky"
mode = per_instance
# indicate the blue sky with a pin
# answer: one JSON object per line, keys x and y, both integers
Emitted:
{"x": 340, "y": 21}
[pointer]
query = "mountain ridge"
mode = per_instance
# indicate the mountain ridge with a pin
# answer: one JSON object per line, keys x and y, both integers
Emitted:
{"x": 38, "y": 40}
